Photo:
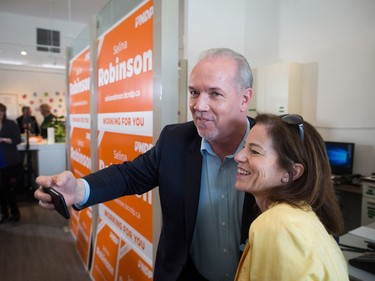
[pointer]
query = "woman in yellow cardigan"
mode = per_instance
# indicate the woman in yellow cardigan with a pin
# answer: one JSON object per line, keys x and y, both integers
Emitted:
{"x": 285, "y": 166}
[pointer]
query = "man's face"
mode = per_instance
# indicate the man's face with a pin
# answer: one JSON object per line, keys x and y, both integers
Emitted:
{"x": 27, "y": 112}
{"x": 215, "y": 104}
{"x": 44, "y": 111}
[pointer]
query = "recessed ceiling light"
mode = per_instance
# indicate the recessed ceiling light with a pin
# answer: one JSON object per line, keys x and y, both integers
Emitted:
{"x": 24, "y": 53}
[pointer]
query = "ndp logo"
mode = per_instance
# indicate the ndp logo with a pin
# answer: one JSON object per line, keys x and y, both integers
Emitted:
{"x": 144, "y": 17}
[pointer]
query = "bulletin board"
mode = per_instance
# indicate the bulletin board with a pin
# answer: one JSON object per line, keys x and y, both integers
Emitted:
{"x": 11, "y": 102}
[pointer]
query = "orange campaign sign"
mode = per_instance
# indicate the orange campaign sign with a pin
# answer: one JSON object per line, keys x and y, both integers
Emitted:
{"x": 79, "y": 83}
{"x": 125, "y": 124}
{"x": 79, "y": 118}
{"x": 105, "y": 255}
{"x": 84, "y": 232}
{"x": 73, "y": 223}
{"x": 80, "y": 151}
{"x": 129, "y": 259}
{"x": 118, "y": 247}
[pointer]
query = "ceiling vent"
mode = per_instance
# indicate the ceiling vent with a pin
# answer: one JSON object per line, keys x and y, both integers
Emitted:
{"x": 48, "y": 40}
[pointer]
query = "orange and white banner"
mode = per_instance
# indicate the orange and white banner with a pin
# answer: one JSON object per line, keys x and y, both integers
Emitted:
{"x": 79, "y": 117}
{"x": 80, "y": 121}
{"x": 131, "y": 123}
{"x": 120, "y": 251}
{"x": 123, "y": 248}
{"x": 80, "y": 159}
{"x": 84, "y": 232}
{"x": 79, "y": 83}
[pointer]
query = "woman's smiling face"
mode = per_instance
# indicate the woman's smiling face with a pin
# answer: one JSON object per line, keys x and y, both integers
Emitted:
{"x": 258, "y": 167}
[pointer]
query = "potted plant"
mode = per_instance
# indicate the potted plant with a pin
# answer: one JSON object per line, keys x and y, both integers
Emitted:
{"x": 58, "y": 123}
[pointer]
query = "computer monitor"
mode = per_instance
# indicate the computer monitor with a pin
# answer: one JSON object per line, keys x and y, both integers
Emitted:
{"x": 340, "y": 156}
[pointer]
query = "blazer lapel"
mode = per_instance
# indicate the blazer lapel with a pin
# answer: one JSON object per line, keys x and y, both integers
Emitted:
{"x": 250, "y": 212}
{"x": 192, "y": 184}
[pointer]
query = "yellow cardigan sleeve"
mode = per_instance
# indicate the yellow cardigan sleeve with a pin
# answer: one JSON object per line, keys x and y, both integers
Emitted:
{"x": 281, "y": 248}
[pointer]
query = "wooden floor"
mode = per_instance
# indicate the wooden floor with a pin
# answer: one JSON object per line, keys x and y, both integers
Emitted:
{"x": 39, "y": 247}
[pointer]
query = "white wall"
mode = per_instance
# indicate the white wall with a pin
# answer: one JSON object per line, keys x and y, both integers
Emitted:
{"x": 213, "y": 24}
{"x": 338, "y": 36}
{"x": 334, "y": 39}
{"x": 34, "y": 88}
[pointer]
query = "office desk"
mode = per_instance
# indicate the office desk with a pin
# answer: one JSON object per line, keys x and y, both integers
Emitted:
{"x": 357, "y": 241}
{"x": 350, "y": 188}
{"x": 350, "y": 199}
{"x": 47, "y": 159}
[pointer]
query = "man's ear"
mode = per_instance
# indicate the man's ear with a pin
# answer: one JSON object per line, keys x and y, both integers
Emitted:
{"x": 246, "y": 98}
{"x": 298, "y": 170}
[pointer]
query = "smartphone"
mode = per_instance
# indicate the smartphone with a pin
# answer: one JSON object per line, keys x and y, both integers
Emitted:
{"x": 59, "y": 201}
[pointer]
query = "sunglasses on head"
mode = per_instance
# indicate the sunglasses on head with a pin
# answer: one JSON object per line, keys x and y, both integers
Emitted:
{"x": 295, "y": 119}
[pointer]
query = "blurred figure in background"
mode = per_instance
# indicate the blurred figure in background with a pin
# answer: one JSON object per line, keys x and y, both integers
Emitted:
{"x": 9, "y": 166}
{"x": 45, "y": 110}
{"x": 26, "y": 120}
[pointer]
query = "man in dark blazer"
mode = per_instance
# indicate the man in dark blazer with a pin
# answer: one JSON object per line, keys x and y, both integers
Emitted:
{"x": 181, "y": 163}
{"x": 27, "y": 121}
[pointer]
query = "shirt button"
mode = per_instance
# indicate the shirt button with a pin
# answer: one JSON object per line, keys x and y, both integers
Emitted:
{"x": 223, "y": 224}
{"x": 222, "y": 196}
{"x": 225, "y": 251}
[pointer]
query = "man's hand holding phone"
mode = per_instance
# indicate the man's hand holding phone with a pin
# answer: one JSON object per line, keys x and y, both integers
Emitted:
{"x": 65, "y": 184}
{"x": 58, "y": 201}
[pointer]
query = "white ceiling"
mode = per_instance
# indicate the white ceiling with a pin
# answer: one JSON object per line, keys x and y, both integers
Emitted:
{"x": 67, "y": 10}
{"x": 71, "y": 11}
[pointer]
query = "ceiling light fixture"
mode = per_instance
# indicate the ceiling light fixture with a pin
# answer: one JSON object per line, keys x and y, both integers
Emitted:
{"x": 23, "y": 53}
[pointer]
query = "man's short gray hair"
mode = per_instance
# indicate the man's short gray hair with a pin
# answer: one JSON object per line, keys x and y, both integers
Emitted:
{"x": 244, "y": 77}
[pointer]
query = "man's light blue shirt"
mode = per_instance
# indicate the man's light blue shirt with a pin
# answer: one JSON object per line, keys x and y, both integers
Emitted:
{"x": 215, "y": 247}
{"x": 87, "y": 194}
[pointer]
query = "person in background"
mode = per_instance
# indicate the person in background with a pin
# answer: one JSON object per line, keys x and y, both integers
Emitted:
{"x": 45, "y": 110}
{"x": 9, "y": 166}
{"x": 193, "y": 165}
{"x": 27, "y": 121}
{"x": 285, "y": 166}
